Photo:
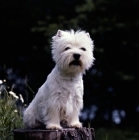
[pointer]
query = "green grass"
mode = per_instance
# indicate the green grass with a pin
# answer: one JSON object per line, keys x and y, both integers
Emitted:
{"x": 116, "y": 134}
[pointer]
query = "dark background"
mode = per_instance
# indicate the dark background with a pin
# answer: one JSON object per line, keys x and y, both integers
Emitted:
{"x": 111, "y": 85}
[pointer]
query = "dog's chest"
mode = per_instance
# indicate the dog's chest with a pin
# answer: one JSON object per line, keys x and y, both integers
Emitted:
{"x": 70, "y": 93}
{"x": 71, "y": 88}
{"x": 70, "y": 97}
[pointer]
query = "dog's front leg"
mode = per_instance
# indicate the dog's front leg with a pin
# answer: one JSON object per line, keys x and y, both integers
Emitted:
{"x": 54, "y": 121}
{"x": 74, "y": 120}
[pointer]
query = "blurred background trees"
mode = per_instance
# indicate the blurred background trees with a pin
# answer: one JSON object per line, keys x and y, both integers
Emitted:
{"x": 111, "y": 85}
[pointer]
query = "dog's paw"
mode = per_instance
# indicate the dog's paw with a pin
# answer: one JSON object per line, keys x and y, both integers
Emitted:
{"x": 76, "y": 125}
{"x": 53, "y": 126}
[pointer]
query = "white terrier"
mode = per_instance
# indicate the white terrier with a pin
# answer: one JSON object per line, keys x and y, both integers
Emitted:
{"x": 61, "y": 96}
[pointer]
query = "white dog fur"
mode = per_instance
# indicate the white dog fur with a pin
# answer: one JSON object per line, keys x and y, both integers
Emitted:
{"x": 61, "y": 96}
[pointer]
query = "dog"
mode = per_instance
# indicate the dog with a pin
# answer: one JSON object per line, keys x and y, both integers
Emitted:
{"x": 60, "y": 98}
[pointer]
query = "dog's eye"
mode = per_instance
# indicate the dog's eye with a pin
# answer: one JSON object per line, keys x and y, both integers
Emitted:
{"x": 83, "y": 49}
{"x": 67, "y": 48}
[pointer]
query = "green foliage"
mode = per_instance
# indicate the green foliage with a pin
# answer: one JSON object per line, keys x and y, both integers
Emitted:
{"x": 116, "y": 134}
{"x": 10, "y": 117}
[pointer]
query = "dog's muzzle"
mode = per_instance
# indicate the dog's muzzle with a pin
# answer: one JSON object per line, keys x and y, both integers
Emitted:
{"x": 76, "y": 60}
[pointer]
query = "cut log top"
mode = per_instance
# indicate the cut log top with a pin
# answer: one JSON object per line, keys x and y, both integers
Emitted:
{"x": 64, "y": 134}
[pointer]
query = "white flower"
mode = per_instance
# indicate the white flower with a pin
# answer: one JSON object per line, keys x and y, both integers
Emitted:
{"x": 21, "y": 98}
{"x": 13, "y": 94}
{"x": 15, "y": 110}
{"x": 1, "y": 82}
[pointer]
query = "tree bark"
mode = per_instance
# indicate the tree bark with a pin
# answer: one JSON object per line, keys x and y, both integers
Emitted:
{"x": 64, "y": 134}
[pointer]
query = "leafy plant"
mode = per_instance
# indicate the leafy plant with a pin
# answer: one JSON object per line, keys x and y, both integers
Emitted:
{"x": 10, "y": 114}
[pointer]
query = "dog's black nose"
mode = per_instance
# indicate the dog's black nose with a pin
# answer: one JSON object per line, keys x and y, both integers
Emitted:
{"x": 76, "y": 56}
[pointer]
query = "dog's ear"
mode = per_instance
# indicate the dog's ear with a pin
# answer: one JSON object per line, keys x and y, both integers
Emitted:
{"x": 59, "y": 33}
{"x": 88, "y": 35}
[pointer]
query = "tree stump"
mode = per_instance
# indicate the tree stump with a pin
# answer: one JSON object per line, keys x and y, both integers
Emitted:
{"x": 64, "y": 134}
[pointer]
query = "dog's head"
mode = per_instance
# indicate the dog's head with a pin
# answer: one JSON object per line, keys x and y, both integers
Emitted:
{"x": 72, "y": 51}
